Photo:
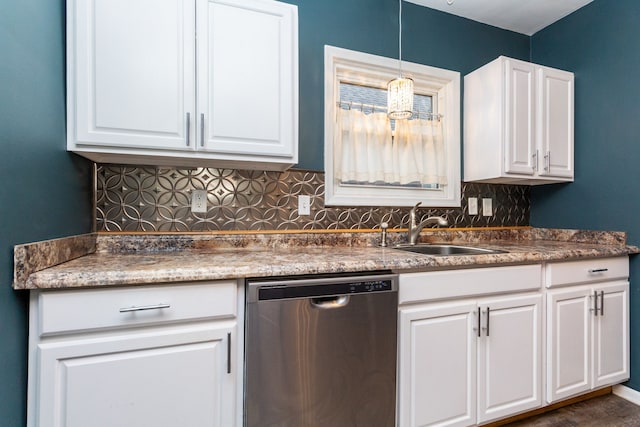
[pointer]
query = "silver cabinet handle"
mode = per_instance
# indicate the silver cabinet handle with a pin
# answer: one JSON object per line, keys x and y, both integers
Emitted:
{"x": 144, "y": 307}
{"x": 488, "y": 317}
{"x": 598, "y": 270}
{"x": 188, "y": 129}
{"x": 479, "y": 332}
{"x": 534, "y": 158}
{"x": 547, "y": 161}
{"x": 202, "y": 129}
{"x": 228, "y": 352}
{"x": 601, "y": 303}
{"x": 595, "y": 305}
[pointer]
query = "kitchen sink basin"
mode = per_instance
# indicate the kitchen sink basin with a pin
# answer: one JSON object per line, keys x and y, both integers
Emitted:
{"x": 444, "y": 250}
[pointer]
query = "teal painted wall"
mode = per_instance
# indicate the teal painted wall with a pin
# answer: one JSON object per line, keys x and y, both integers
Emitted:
{"x": 600, "y": 44}
{"x": 44, "y": 191}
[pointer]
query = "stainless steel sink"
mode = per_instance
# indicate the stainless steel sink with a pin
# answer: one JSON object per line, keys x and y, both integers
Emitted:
{"x": 445, "y": 250}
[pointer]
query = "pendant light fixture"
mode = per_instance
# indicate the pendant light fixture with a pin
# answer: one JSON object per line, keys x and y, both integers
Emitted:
{"x": 400, "y": 89}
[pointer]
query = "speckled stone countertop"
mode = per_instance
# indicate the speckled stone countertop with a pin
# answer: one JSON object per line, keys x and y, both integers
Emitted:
{"x": 97, "y": 260}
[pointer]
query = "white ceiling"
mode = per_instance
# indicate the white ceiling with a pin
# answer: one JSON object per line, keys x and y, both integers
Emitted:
{"x": 522, "y": 16}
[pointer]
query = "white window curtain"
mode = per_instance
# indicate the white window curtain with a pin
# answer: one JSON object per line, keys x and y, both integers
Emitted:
{"x": 363, "y": 144}
{"x": 366, "y": 152}
{"x": 420, "y": 157}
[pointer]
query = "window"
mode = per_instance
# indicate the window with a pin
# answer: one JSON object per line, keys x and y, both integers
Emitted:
{"x": 373, "y": 161}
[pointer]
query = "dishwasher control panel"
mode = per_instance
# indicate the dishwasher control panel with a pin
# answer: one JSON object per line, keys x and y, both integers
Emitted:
{"x": 261, "y": 290}
{"x": 371, "y": 286}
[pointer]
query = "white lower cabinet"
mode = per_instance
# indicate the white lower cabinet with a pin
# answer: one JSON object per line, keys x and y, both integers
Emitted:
{"x": 510, "y": 356}
{"x": 141, "y": 356}
{"x": 437, "y": 373}
{"x": 470, "y": 361}
{"x": 587, "y": 328}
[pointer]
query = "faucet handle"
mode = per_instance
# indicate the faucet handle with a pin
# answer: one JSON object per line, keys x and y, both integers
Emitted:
{"x": 383, "y": 229}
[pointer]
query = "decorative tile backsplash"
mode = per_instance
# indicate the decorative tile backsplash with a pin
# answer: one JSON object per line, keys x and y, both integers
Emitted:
{"x": 159, "y": 199}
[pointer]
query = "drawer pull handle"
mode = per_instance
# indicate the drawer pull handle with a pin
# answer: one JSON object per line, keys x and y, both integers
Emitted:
{"x": 598, "y": 270}
{"x": 144, "y": 307}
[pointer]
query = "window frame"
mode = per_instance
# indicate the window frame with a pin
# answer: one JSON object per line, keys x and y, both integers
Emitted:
{"x": 344, "y": 65}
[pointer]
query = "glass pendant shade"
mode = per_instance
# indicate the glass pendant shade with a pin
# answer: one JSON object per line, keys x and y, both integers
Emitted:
{"x": 400, "y": 98}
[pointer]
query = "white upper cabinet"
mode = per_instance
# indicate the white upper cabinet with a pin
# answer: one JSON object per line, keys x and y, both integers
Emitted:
{"x": 555, "y": 124}
{"x": 518, "y": 123}
{"x": 519, "y": 118}
{"x": 248, "y": 104}
{"x": 183, "y": 82}
{"x": 130, "y": 68}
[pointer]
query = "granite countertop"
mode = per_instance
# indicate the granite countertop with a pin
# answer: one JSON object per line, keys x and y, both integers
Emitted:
{"x": 97, "y": 260}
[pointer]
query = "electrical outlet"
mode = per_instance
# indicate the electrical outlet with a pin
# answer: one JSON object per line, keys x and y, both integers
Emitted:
{"x": 487, "y": 207}
{"x": 304, "y": 205}
{"x": 199, "y": 201}
{"x": 473, "y": 205}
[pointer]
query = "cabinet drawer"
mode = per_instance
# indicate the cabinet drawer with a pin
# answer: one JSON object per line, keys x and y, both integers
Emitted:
{"x": 436, "y": 285}
{"x": 81, "y": 310}
{"x": 585, "y": 271}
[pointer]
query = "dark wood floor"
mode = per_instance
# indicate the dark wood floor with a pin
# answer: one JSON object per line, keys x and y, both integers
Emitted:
{"x": 604, "y": 411}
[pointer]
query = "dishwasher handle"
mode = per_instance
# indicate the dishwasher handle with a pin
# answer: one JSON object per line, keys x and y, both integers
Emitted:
{"x": 329, "y": 303}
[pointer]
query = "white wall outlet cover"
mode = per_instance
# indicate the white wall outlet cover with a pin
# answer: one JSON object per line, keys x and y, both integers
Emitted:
{"x": 487, "y": 207}
{"x": 473, "y": 206}
{"x": 199, "y": 201}
{"x": 304, "y": 205}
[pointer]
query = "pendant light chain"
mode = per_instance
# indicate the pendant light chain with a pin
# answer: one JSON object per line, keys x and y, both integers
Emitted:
{"x": 400, "y": 89}
{"x": 400, "y": 38}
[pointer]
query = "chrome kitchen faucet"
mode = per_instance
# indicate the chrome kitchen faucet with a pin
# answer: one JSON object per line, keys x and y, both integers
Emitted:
{"x": 414, "y": 230}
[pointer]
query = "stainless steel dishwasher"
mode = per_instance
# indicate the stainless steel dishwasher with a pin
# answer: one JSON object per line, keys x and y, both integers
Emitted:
{"x": 321, "y": 351}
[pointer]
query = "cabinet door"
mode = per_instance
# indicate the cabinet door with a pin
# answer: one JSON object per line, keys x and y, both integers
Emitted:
{"x": 131, "y": 73}
{"x": 171, "y": 377}
{"x": 555, "y": 122}
{"x": 247, "y": 77}
{"x": 569, "y": 314}
{"x": 611, "y": 335}
{"x": 437, "y": 371}
{"x": 510, "y": 356}
{"x": 519, "y": 117}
